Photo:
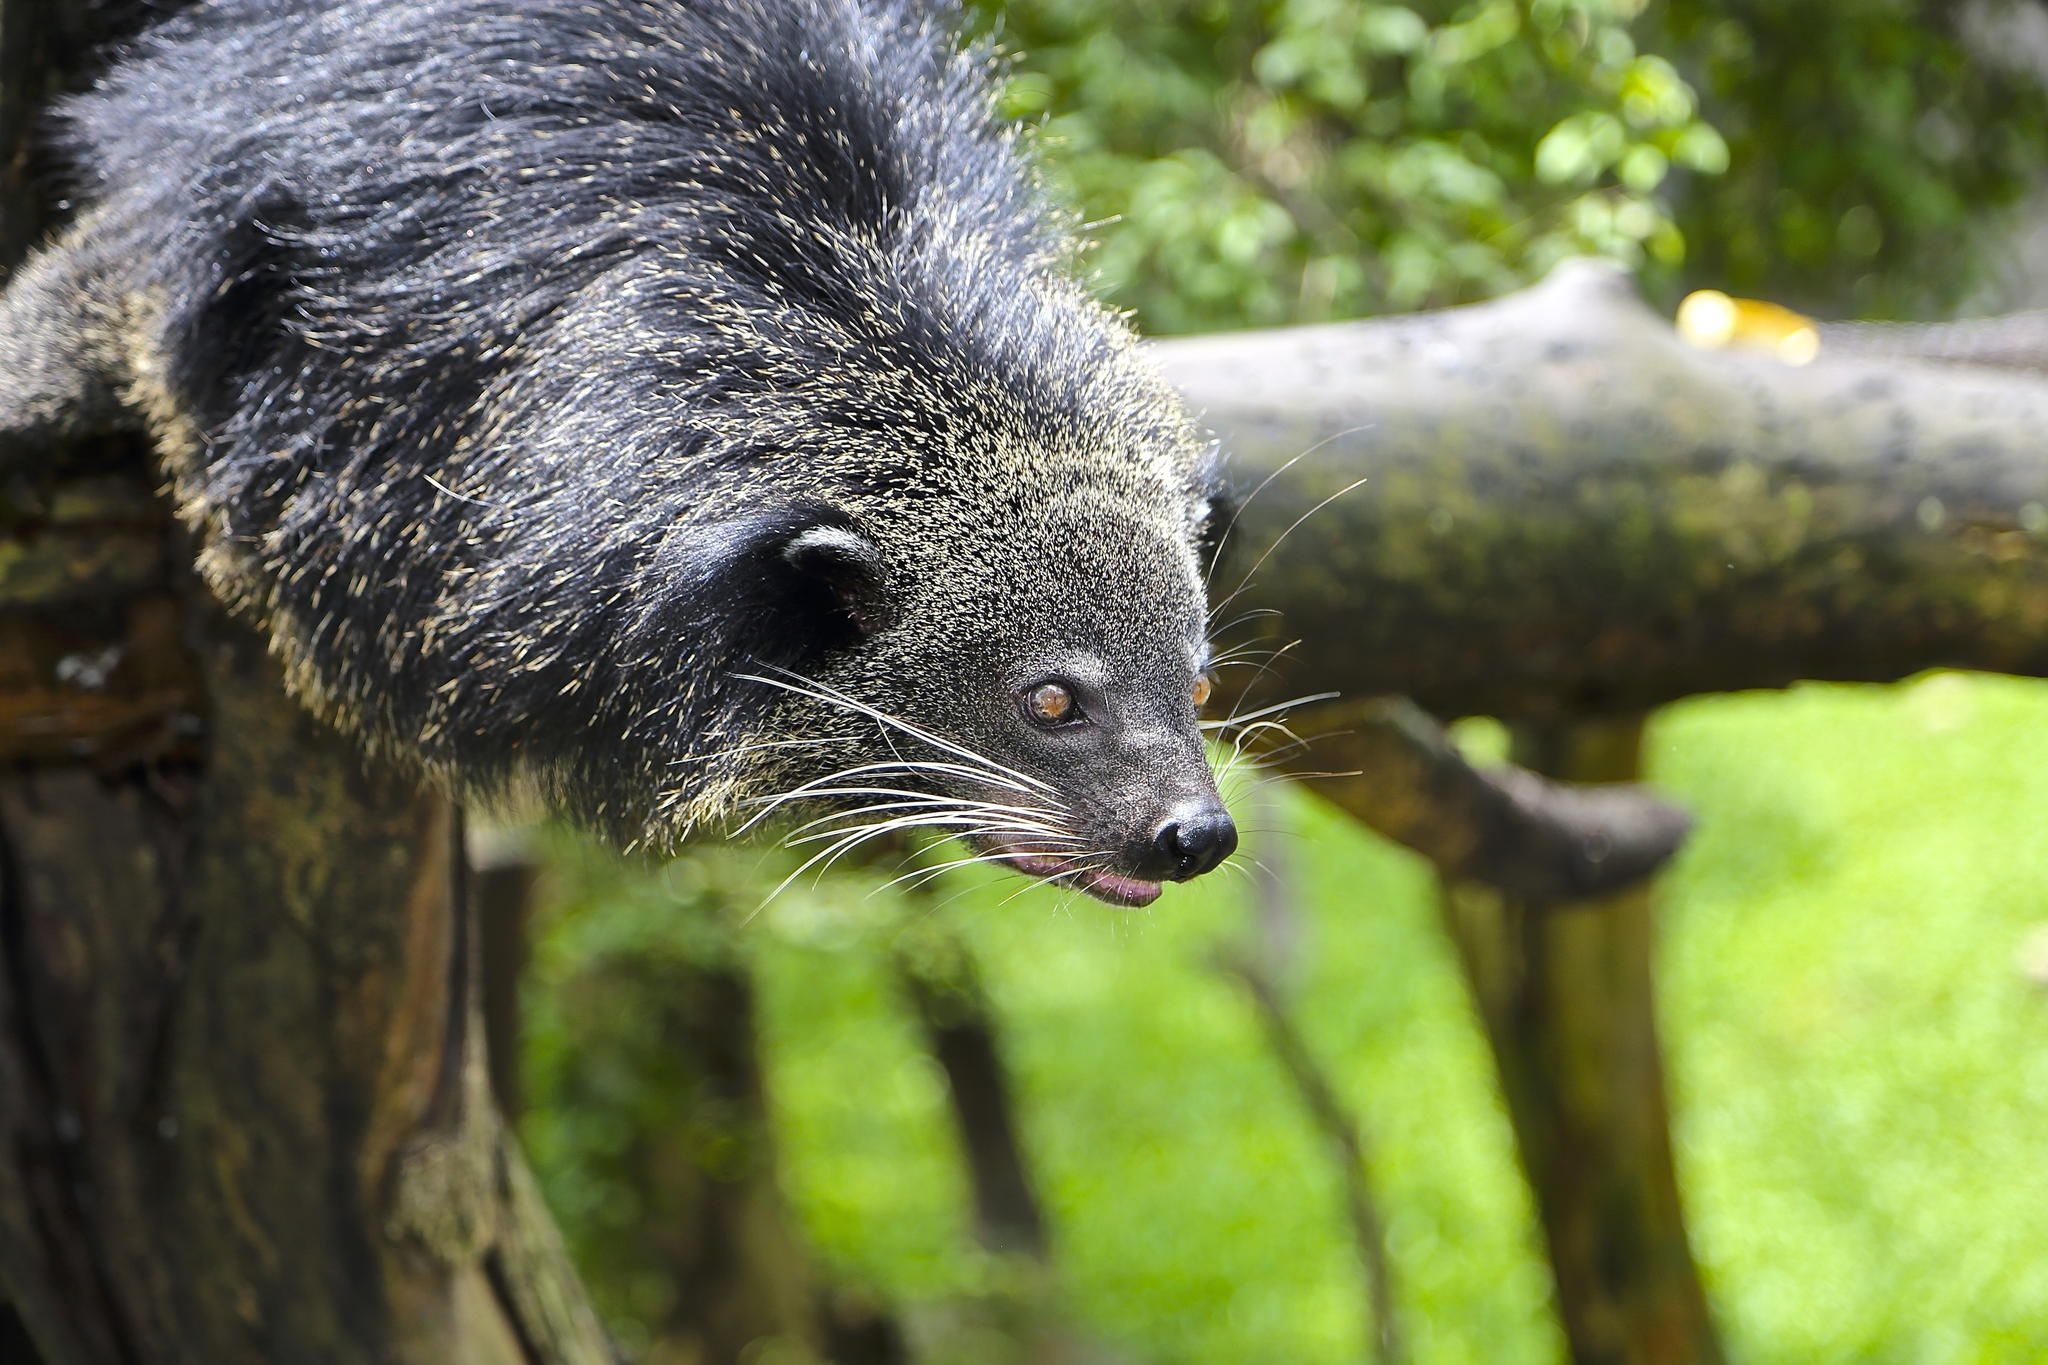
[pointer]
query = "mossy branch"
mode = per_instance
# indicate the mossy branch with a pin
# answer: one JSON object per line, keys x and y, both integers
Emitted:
{"x": 1549, "y": 507}
{"x": 1562, "y": 510}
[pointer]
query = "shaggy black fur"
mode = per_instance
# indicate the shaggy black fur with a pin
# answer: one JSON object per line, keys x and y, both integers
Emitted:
{"x": 509, "y": 354}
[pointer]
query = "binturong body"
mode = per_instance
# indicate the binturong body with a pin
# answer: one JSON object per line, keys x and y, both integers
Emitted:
{"x": 684, "y": 406}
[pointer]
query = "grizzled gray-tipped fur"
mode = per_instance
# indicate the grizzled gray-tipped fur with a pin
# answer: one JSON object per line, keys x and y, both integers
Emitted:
{"x": 684, "y": 405}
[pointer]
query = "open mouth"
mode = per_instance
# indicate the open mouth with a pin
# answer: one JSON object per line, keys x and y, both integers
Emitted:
{"x": 1099, "y": 882}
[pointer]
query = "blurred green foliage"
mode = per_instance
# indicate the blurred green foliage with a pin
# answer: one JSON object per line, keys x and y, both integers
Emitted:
{"x": 1257, "y": 162}
{"x": 635, "y": 1109}
{"x": 1856, "y": 1052}
{"x": 1856, "y": 1062}
{"x": 1868, "y": 149}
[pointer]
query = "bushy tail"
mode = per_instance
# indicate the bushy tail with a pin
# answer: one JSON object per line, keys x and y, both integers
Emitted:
{"x": 63, "y": 356}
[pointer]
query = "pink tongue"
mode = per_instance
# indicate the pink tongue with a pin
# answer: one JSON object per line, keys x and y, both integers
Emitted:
{"x": 1110, "y": 886}
{"x": 1125, "y": 890}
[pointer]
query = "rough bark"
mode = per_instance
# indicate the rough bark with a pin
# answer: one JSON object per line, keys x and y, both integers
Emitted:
{"x": 503, "y": 875}
{"x": 242, "y": 1073}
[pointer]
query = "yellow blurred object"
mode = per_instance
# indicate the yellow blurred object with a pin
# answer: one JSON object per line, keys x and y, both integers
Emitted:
{"x": 1712, "y": 320}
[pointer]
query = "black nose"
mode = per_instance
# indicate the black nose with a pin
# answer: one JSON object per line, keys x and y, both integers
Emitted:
{"x": 1197, "y": 843}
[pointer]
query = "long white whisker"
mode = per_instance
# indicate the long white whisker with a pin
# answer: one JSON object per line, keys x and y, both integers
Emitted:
{"x": 817, "y": 691}
{"x": 819, "y": 788}
{"x": 1245, "y": 654}
{"x": 1216, "y": 557}
{"x": 1248, "y": 649}
{"x": 1275, "y": 709}
{"x": 964, "y": 824}
{"x": 919, "y": 803}
{"x": 1357, "y": 483}
{"x": 1242, "y": 618}
{"x": 829, "y": 855}
{"x": 907, "y": 794}
{"x": 1273, "y": 657}
{"x": 1246, "y": 732}
{"x": 917, "y": 877}
{"x": 1060, "y": 879}
{"x": 901, "y": 765}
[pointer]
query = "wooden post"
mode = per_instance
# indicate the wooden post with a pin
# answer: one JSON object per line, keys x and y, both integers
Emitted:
{"x": 1565, "y": 991}
{"x": 244, "y": 1108}
{"x": 244, "y": 1104}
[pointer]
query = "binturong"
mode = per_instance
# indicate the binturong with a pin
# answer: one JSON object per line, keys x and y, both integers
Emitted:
{"x": 685, "y": 408}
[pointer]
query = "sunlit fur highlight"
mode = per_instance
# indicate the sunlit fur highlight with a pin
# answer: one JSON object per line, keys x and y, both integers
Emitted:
{"x": 493, "y": 348}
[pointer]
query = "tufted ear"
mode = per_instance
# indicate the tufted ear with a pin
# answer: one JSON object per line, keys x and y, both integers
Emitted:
{"x": 778, "y": 585}
{"x": 844, "y": 563}
{"x": 1219, "y": 507}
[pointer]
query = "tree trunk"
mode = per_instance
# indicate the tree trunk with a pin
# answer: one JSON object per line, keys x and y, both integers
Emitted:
{"x": 1565, "y": 994}
{"x": 244, "y": 1113}
{"x": 243, "y": 1088}
{"x": 502, "y": 877}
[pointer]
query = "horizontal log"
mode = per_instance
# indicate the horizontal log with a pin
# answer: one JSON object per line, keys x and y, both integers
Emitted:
{"x": 1556, "y": 508}
{"x": 1545, "y": 506}
{"x": 2017, "y": 341}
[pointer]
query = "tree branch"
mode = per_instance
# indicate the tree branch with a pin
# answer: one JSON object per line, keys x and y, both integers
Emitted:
{"x": 1567, "y": 511}
{"x": 1547, "y": 841}
{"x": 1548, "y": 507}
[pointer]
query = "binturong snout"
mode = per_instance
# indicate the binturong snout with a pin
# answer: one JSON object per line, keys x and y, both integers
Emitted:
{"x": 1193, "y": 840}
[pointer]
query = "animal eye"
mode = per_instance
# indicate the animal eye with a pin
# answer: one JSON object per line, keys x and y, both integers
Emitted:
{"x": 1204, "y": 686}
{"x": 1049, "y": 704}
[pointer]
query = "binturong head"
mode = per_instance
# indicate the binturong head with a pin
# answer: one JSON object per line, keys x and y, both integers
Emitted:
{"x": 1017, "y": 656}
{"x": 1084, "y": 681}
{"x": 1048, "y": 676}
{"x": 930, "y": 523}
